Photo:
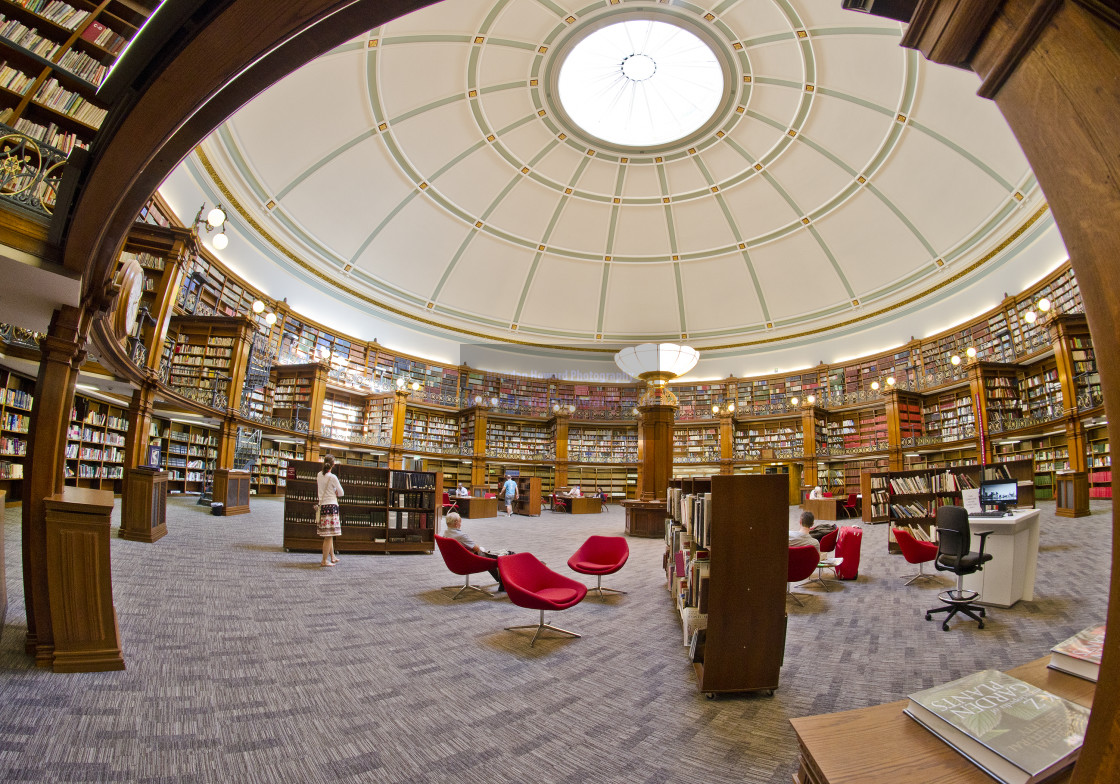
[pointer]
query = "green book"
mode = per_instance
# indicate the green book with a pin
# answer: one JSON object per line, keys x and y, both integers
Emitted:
{"x": 1017, "y": 733}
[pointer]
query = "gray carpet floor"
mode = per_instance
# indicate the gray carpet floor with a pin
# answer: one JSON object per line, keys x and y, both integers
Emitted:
{"x": 247, "y": 663}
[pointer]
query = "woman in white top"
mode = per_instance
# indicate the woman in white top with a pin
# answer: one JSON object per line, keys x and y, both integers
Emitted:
{"x": 330, "y": 526}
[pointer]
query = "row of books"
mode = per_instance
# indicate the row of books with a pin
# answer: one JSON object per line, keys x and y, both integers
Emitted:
{"x": 1014, "y": 731}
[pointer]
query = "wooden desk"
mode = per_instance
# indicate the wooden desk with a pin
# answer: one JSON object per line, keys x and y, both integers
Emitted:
{"x": 826, "y": 508}
{"x": 477, "y": 508}
{"x": 588, "y": 504}
{"x": 1071, "y": 492}
{"x": 645, "y": 518}
{"x": 882, "y": 745}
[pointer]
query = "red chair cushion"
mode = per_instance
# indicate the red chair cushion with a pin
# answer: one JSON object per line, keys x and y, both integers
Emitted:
{"x": 557, "y": 595}
{"x": 459, "y": 559}
{"x": 600, "y": 555}
{"x": 531, "y": 584}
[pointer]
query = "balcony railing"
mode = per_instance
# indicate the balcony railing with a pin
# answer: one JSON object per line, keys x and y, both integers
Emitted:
{"x": 18, "y": 336}
{"x": 30, "y": 172}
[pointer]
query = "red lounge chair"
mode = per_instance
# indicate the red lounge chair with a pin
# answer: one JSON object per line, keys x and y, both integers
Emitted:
{"x": 802, "y": 561}
{"x": 531, "y": 584}
{"x": 600, "y": 555}
{"x": 462, "y": 561}
{"x": 915, "y": 552}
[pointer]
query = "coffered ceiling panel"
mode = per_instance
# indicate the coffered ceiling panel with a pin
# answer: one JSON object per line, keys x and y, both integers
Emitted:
{"x": 837, "y": 176}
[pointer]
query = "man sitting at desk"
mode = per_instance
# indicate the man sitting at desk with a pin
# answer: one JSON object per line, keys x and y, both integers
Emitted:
{"x": 462, "y": 491}
{"x": 802, "y": 537}
{"x": 574, "y": 492}
{"x": 816, "y": 492}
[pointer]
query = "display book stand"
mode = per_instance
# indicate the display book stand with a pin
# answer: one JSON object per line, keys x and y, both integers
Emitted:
{"x": 742, "y": 526}
{"x": 383, "y": 510}
{"x": 528, "y": 496}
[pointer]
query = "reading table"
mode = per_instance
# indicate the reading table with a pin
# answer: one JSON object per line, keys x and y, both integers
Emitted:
{"x": 882, "y": 745}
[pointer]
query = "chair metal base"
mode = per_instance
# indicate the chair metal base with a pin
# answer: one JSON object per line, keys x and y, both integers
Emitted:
{"x": 911, "y": 578}
{"x": 540, "y": 627}
{"x": 599, "y": 587}
{"x": 958, "y": 601}
{"x": 795, "y": 596}
{"x": 466, "y": 587}
{"x": 820, "y": 577}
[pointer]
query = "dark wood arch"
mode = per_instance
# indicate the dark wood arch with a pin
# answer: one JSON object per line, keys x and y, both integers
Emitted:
{"x": 1052, "y": 67}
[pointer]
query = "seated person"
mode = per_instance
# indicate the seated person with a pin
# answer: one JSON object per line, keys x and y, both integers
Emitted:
{"x": 574, "y": 492}
{"x": 454, "y": 531}
{"x": 798, "y": 538}
{"x": 816, "y": 492}
{"x": 462, "y": 491}
{"x": 604, "y": 499}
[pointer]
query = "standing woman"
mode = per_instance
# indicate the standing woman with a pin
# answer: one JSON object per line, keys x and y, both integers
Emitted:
{"x": 330, "y": 490}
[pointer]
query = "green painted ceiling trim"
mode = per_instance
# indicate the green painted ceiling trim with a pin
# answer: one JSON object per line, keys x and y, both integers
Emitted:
{"x": 532, "y": 273}
{"x": 791, "y": 14}
{"x": 233, "y": 149}
{"x": 545, "y": 150}
{"x": 384, "y": 222}
{"x": 808, "y": 141}
{"x": 456, "y": 160}
{"x": 742, "y": 152}
{"x": 768, "y": 39}
{"x": 527, "y": 46}
{"x": 979, "y": 164}
{"x": 436, "y": 104}
{"x": 497, "y": 88}
{"x": 766, "y": 175}
{"x": 720, "y": 25}
{"x": 884, "y": 151}
{"x": 509, "y": 157}
{"x": 707, "y": 175}
{"x": 902, "y": 217}
{"x": 612, "y": 230}
{"x": 749, "y": 263}
{"x": 777, "y": 234}
{"x": 385, "y": 288}
{"x": 1009, "y": 208}
{"x": 603, "y": 297}
{"x": 822, "y": 313}
{"x": 768, "y": 121}
{"x": 472, "y": 67}
{"x": 399, "y": 40}
{"x": 809, "y": 57}
{"x": 848, "y": 191}
{"x": 680, "y": 298}
{"x": 492, "y": 16}
{"x": 497, "y": 200}
{"x": 724, "y": 6}
{"x": 858, "y": 101}
{"x": 890, "y": 32}
{"x": 802, "y": 110}
{"x": 373, "y": 91}
{"x": 595, "y": 197}
{"x": 314, "y": 167}
{"x": 832, "y": 260}
{"x": 470, "y": 317}
{"x": 447, "y": 270}
{"x": 778, "y": 82}
{"x": 553, "y": 8}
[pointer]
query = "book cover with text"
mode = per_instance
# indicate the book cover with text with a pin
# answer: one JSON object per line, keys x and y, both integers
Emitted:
{"x": 1080, "y": 655}
{"x": 1017, "y": 732}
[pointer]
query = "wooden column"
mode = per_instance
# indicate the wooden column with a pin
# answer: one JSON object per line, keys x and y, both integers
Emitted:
{"x": 1051, "y": 67}
{"x": 318, "y": 395}
{"x": 726, "y": 442}
{"x": 227, "y": 443}
{"x": 478, "y": 446}
{"x": 137, "y": 503}
{"x": 894, "y": 431}
{"x": 1061, "y": 334}
{"x": 655, "y": 449}
{"x": 172, "y": 245}
{"x": 396, "y": 444}
{"x": 809, "y": 478}
{"x": 560, "y": 428}
{"x": 61, "y": 354}
{"x": 239, "y": 364}
{"x": 980, "y": 410}
{"x": 83, "y": 618}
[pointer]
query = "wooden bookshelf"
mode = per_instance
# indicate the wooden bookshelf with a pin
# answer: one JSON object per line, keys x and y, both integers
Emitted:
{"x": 270, "y": 473}
{"x": 54, "y": 64}
{"x": 95, "y": 445}
{"x": 739, "y": 588}
{"x": 16, "y": 401}
{"x": 430, "y": 431}
{"x": 519, "y": 440}
{"x": 696, "y": 444}
{"x": 206, "y": 358}
{"x": 528, "y": 501}
{"x": 188, "y": 453}
{"x": 603, "y": 444}
{"x": 382, "y": 511}
{"x": 763, "y": 439}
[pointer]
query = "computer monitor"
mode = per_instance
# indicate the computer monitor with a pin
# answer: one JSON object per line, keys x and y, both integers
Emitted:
{"x": 999, "y": 494}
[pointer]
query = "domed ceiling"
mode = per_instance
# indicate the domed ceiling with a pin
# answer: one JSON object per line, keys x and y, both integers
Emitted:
{"x": 432, "y": 168}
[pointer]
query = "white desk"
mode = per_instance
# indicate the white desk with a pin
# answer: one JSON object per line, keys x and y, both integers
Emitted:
{"x": 1009, "y": 576}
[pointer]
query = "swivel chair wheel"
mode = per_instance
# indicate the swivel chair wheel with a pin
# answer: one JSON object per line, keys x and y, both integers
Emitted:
{"x": 980, "y": 625}
{"x": 983, "y": 614}
{"x": 929, "y": 617}
{"x": 945, "y": 626}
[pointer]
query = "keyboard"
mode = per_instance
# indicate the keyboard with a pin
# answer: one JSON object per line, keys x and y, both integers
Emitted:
{"x": 988, "y": 514}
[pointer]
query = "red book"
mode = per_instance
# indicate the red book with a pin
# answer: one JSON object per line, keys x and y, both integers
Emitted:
{"x": 93, "y": 30}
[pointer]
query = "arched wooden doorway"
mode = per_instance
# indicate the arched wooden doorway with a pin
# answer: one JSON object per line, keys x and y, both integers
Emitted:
{"x": 1052, "y": 66}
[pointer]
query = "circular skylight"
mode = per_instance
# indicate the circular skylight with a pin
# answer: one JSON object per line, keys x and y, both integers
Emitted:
{"x": 640, "y": 83}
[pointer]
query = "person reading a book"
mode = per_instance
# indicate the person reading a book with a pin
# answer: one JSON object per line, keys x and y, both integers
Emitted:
{"x": 453, "y": 530}
{"x": 802, "y": 537}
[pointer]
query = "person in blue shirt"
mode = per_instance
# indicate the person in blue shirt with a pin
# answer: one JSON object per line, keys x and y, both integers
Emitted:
{"x": 509, "y": 493}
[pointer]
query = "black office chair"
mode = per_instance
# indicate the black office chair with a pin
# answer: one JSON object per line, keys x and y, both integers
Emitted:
{"x": 954, "y": 539}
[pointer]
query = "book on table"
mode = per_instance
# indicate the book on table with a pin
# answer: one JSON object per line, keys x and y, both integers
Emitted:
{"x": 1080, "y": 655}
{"x": 1014, "y": 731}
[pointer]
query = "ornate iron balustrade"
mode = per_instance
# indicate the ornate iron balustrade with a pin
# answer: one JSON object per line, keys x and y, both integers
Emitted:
{"x": 603, "y": 457}
{"x": 788, "y": 454}
{"x": 604, "y": 413}
{"x": 18, "y": 336}
{"x": 30, "y": 171}
{"x": 529, "y": 411}
{"x": 1003, "y": 424}
{"x": 207, "y": 396}
{"x": 862, "y": 449}
{"x": 370, "y": 439}
{"x": 506, "y": 455}
{"x": 437, "y": 398}
{"x": 707, "y": 456}
{"x": 413, "y": 445}
{"x": 1089, "y": 398}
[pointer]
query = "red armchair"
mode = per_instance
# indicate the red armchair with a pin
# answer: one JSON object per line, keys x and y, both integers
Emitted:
{"x": 601, "y": 555}
{"x": 915, "y": 552}
{"x": 802, "y": 561}
{"x": 531, "y": 584}
{"x": 851, "y": 506}
{"x": 449, "y": 505}
{"x": 462, "y": 561}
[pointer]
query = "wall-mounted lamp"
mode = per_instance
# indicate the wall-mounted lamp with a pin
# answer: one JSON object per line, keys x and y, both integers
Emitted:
{"x": 215, "y": 219}
{"x": 970, "y": 352}
{"x": 954, "y": 360}
{"x": 259, "y": 307}
{"x": 723, "y": 409}
{"x": 1043, "y": 305}
{"x": 415, "y": 386}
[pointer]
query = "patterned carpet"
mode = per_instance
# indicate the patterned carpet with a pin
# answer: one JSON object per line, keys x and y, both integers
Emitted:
{"x": 250, "y": 664}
